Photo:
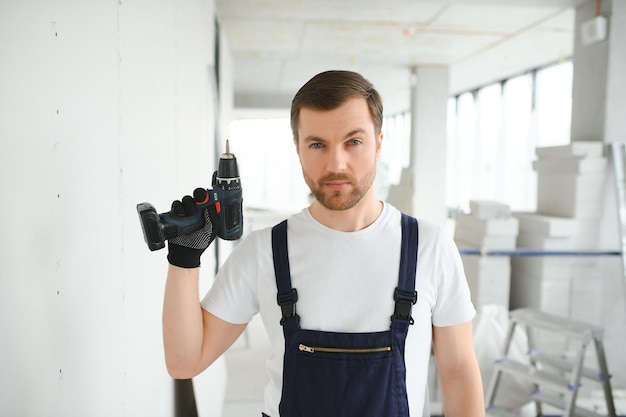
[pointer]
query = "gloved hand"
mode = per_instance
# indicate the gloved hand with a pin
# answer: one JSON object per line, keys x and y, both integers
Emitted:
{"x": 185, "y": 251}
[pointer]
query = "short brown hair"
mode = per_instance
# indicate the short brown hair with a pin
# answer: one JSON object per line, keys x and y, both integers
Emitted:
{"x": 329, "y": 90}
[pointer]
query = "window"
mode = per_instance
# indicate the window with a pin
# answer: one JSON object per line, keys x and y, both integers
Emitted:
{"x": 493, "y": 133}
{"x": 395, "y": 154}
{"x": 268, "y": 164}
{"x": 553, "y": 104}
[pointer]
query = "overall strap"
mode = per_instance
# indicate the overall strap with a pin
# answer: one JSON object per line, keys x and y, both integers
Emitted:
{"x": 287, "y": 296}
{"x": 405, "y": 295}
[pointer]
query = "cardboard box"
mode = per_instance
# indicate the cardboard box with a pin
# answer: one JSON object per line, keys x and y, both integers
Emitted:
{"x": 588, "y": 236}
{"x": 570, "y": 165}
{"x": 577, "y": 148}
{"x": 468, "y": 238}
{"x": 485, "y": 209}
{"x": 540, "y": 292}
{"x": 488, "y": 226}
{"x": 570, "y": 287}
{"x": 540, "y": 266}
{"x": 546, "y": 225}
{"x": 570, "y": 195}
{"x": 488, "y": 278}
{"x": 533, "y": 241}
{"x": 587, "y": 290}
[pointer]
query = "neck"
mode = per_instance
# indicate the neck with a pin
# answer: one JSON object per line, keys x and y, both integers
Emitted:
{"x": 351, "y": 220}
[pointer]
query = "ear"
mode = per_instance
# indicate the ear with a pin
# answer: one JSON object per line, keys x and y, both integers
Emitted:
{"x": 379, "y": 144}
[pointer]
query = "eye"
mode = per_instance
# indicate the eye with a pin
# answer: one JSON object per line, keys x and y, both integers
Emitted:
{"x": 316, "y": 145}
{"x": 354, "y": 142}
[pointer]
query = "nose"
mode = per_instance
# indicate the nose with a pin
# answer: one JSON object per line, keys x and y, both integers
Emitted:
{"x": 337, "y": 159}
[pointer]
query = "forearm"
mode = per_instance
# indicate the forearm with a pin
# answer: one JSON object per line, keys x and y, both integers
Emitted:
{"x": 462, "y": 392}
{"x": 459, "y": 374}
{"x": 182, "y": 322}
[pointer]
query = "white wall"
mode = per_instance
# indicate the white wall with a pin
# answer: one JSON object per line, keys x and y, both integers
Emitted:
{"x": 103, "y": 104}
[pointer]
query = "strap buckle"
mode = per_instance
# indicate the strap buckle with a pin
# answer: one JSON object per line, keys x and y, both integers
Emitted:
{"x": 404, "y": 304}
{"x": 287, "y": 303}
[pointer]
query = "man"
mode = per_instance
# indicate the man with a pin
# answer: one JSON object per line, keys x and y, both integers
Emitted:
{"x": 335, "y": 351}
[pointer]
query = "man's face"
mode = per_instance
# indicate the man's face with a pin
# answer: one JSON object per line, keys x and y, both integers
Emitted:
{"x": 338, "y": 150}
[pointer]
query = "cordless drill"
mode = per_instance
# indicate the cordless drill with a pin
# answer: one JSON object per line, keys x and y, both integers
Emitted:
{"x": 225, "y": 195}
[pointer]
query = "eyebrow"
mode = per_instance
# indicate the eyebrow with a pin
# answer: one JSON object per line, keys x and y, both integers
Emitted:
{"x": 313, "y": 139}
{"x": 355, "y": 132}
{"x": 348, "y": 135}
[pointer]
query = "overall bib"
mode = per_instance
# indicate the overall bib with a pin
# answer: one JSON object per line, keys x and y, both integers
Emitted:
{"x": 333, "y": 374}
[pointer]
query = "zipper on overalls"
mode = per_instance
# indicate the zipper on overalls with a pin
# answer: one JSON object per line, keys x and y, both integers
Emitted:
{"x": 313, "y": 349}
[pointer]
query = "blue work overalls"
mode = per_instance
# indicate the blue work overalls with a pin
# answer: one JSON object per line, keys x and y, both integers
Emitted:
{"x": 345, "y": 374}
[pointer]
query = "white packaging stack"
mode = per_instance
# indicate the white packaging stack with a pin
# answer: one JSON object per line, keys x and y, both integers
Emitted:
{"x": 488, "y": 226}
{"x": 570, "y": 180}
{"x": 587, "y": 290}
{"x": 541, "y": 282}
{"x": 570, "y": 193}
{"x": 544, "y": 232}
{"x": 489, "y": 279}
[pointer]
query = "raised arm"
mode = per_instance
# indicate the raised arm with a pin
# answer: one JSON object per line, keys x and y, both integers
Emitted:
{"x": 461, "y": 384}
{"x": 193, "y": 338}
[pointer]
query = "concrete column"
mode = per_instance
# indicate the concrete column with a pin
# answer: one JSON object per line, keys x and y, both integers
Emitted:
{"x": 615, "y": 120}
{"x": 428, "y": 142}
{"x": 599, "y": 85}
{"x": 599, "y": 113}
{"x": 598, "y": 91}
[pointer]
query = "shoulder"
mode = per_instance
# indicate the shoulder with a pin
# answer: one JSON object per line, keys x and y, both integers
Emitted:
{"x": 428, "y": 232}
{"x": 261, "y": 237}
{"x": 433, "y": 233}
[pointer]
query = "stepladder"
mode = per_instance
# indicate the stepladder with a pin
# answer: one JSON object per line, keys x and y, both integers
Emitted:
{"x": 556, "y": 378}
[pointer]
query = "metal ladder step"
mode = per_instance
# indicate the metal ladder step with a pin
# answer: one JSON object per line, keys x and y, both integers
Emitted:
{"x": 556, "y": 324}
{"x": 500, "y": 412}
{"x": 560, "y": 403}
{"x": 565, "y": 365}
{"x": 553, "y": 382}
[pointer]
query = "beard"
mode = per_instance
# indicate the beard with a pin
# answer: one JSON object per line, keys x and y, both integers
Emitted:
{"x": 336, "y": 199}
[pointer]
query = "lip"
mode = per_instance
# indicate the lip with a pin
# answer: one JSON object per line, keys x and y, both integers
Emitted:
{"x": 337, "y": 184}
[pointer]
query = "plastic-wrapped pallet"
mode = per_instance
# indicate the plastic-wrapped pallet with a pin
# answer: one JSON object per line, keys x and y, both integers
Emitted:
{"x": 539, "y": 231}
{"x": 543, "y": 282}
{"x": 488, "y": 226}
{"x": 570, "y": 181}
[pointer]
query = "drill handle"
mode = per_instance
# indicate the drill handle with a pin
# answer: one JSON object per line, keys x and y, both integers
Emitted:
{"x": 230, "y": 215}
{"x": 157, "y": 228}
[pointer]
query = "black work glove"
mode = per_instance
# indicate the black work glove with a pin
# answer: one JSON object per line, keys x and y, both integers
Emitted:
{"x": 185, "y": 251}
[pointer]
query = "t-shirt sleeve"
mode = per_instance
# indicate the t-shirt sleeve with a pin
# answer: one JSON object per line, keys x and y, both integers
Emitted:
{"x": 454, "y": 304}
{"x": 232, "y": 297}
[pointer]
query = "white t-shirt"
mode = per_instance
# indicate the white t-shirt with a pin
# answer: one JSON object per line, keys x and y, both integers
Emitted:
{"x": 345, "y": 283}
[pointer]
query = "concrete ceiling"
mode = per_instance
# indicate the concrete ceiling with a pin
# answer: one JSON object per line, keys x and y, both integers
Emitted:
{"x": 277, "y": 45}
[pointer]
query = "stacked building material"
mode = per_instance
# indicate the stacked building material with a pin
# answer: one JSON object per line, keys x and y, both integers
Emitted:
{"x": 489, "y": 226}
{"x": 570, "y": 193}
{"x": 570, "y": 180}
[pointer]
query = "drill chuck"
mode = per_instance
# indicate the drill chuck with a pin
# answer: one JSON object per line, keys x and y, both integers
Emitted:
{"x": 227, "y": 174}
